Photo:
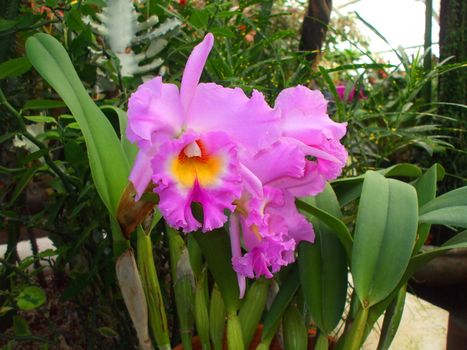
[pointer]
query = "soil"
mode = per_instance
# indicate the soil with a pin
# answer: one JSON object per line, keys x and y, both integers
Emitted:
{"x": 59, "y": 324}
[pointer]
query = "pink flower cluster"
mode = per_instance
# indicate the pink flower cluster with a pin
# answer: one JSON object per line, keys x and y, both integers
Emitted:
{"x": 241, "y": 160}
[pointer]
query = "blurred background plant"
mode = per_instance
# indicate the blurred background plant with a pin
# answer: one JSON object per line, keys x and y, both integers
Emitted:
{"x": 45, "y": 181}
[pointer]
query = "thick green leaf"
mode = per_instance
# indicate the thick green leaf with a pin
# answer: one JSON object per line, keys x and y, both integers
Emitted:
{"x": 129, "y": 148}
{"x": 294, "y": 330}
{"x": 453, "y": 198}
{"x": 448, "y": 209}
{"x": 426, "y": 184}
{"x": 215, "y": 246}
{"x": 455, "y": 216}
{"x": 458, "y": 241}
{"x": 108, "y": 163}
{"x": 334, "y": 223}
{"x": 323, "y": 267}
{"x": 14, "y": 67}
{"x": 401, "y": 170}
{"x": 426, "y": 191}
{"x": 350, "y": 188}
{"x": 416, "y": 262}
{"x": 384, "y": 236}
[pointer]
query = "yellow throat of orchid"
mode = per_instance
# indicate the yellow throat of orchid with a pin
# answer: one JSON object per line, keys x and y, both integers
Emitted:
{"x": 194, "y": 164}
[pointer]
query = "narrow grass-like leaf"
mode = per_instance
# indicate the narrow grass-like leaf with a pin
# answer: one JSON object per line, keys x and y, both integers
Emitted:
{"x": 43, "y": 104}
{"x": 22, "y": 183}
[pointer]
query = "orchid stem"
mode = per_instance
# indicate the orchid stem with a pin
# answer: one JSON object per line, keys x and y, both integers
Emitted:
{"x": 234, "y": 332}
{"x": 147, "y": 271}
{"x": 355, "y": 338}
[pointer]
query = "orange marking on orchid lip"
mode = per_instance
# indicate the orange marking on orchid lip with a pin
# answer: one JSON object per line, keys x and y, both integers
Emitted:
{"x": 193, "y": 163}
{"x": 255, "y": 230}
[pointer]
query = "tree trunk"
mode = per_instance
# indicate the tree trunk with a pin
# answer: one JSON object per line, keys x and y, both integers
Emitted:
{"x": 452, "y": 85}
{"x": 315, "y": 25}
{"x": 453, "y": 42}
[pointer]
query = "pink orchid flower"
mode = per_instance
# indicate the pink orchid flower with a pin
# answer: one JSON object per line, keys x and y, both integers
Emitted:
{"x": 189, "y": 139}
{"x": 341, "y": 91}
{"x": 306, "y": 156}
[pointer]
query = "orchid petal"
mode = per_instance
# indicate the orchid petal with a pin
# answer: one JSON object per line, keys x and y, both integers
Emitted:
{"x": 234, "y": 230}
{"x": 153, "y": 108}
{"x": 212, "y": 180}
{"x": 282, "y": 159}
{"x": 304, "y": 109}
{"x": 193, "y": 69}
{"x": 249, "y": 122}
{"x": 141, "y": 173}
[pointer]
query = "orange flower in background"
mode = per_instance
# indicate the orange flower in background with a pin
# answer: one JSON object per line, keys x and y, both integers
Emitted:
{"x": 250, "y": 37}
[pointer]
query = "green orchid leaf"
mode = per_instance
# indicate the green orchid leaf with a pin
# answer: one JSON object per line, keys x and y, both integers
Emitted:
{"x": 129, "y": 148}
{"x": 215, "y": 246}
{"x": 384, "y": 236}
{"x": 349, "y": 188}
{"x": 392, "y": 319}
{"x": 453, "y": 198}
{"x": 332, "y": 222}
{"x": 109, "y": 166}
{"x": 416, "y": 262}
{"x": 282, "y": 300}
{"x": 294, "y": 330}
{"x": 426, "y": 191}
{"x": 252, "y": 309}
{"x": 447, "y": 209}
{"x": 323, "y": 267}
